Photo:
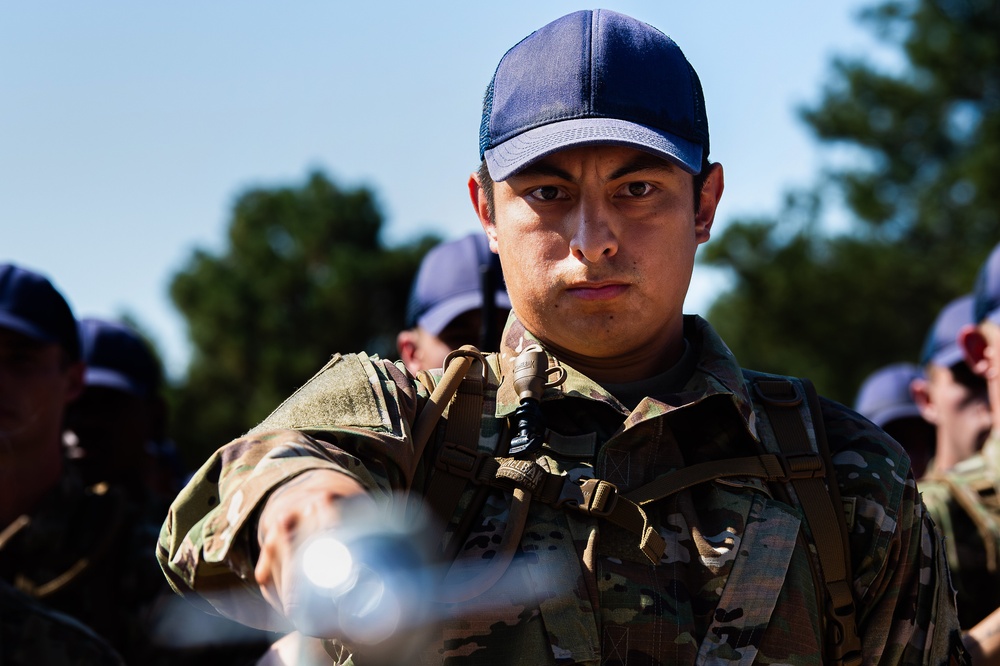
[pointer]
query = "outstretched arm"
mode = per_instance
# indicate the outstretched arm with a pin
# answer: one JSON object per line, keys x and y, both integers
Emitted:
{"x": 307, "y": 505}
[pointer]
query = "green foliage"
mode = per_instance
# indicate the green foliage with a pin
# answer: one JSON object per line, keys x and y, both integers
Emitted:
{"x": 835, "y": 307}
{"x": 304, "y": 275}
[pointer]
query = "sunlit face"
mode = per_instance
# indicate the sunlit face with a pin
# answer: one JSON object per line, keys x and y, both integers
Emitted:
{"x": 598, "y": 245}
{"x": 959, "y": 407}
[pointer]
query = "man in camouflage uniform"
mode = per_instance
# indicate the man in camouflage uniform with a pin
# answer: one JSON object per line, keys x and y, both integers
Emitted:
{"x": 964, "y": 500}
{"x": 595, "y": 190}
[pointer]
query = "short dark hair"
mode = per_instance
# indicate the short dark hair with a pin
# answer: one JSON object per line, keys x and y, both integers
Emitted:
{"x": 486, "y": 182}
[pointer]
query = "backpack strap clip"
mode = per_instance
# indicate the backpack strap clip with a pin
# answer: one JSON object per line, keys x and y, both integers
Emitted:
{"x": 803, "y": 466}
{"x": 459, "y": 461}
{"x": 601, "y": 499}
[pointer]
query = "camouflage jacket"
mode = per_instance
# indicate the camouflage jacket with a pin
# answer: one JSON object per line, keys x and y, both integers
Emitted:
{"x": 31, "y": 634}
{"x": 733, "y": 586}
{"x": 965, "y": 504}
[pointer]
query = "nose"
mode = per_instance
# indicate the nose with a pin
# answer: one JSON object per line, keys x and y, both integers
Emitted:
{"x": 592, "y": 234}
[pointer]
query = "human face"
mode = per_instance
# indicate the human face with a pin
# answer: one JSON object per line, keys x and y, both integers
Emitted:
{"x": 597, "y": 245}
{"x": 955, "y": 401}
{"x": 35, "y": 385}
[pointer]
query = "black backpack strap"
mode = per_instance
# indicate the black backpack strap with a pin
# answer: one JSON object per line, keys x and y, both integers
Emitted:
{"x": 819, "y": 496}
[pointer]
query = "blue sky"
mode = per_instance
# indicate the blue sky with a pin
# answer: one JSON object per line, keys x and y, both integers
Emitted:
{"x": 127, "y": 129}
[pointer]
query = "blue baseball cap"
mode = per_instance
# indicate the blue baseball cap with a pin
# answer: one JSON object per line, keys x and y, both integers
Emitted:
{"x": 941, "y": 345}
{"x": 118, "y": 358}
{"x": 987, "y": 289}
{"x": 32, "y": 306}
{"x": 450, "y": 283}
{"x": 885, "y": 394}
{"x": 593, "y": 77}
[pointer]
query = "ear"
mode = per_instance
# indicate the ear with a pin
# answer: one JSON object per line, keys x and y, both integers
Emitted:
{"x": 711, "y": 193}
{"x": 478, "y": 197}
{"x": 406, "y": 345}
{"x": 74, "y": 380}
{"x": 975, "y": 345}
{"x": 921, "y": 396}
{"x": 157, "y": 407}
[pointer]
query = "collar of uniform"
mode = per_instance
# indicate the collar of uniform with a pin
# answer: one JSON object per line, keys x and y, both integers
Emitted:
{"x": 717, "y": 373}
{"x": 517, "y": 338}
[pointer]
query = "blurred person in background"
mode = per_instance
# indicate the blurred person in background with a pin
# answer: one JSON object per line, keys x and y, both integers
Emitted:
{"x": 965, "y": 500}
{"x": 885, "y": 399}
{"x": 949, "y": 394}
{"x": 458, "y": 298}
{"x": 115, "y": 435}
{"x": 75, "y": 538}
{"x": 54, "y": 531}
{"x": 115, "y": 431}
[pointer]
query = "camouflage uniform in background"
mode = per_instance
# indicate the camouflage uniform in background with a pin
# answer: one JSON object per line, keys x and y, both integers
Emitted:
{"x": 33, "y": 635}
{"x": 87, "y": 552}
{"x": 80, "y": 552}
{"x": 733, "y": 586}
{"x": 965, "y": 504}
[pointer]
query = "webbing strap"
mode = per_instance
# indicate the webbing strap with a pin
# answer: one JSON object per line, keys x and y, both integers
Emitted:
{"x": 600, "y": 499}
{"x": 768, "y": 466}
{"x": 462, "y": 434}
{"x": 456, "y": 368}
{"x": 823, "y": 511}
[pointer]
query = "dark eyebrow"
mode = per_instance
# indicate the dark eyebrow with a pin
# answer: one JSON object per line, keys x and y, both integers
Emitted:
{"x": 543, "y": 168}
{"x": 641, "y": 163}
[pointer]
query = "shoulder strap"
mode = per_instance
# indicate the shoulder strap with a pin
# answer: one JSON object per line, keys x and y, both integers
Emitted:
{"x": 786, "y": 404}
{"x": 459, "y": 390}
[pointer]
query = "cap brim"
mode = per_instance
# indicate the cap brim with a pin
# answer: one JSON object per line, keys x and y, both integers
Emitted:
{"x": 24, "y": 327}
{"x": 112, "y": 379}
{"x": 948, "y": 357}
{"x": 438, "y": 317}
{"x": 518, "y": 152}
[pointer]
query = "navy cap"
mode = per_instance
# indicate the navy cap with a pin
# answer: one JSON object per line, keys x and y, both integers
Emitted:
{"x": 593, "y": 77}
{"x": 885, "y": 394}
{"x": 987, "y": 290}
{"x": 449, "y": 283}
{"x": 30, "y": 305}
{"x": 118, "y": 358}
{"x": 941, "y": 346}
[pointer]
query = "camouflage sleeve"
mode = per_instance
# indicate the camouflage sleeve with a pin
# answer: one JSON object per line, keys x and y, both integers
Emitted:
{"x": 937, "y": 501}
{"x": 354, "y": 405}
{"x": 906, "y": 602}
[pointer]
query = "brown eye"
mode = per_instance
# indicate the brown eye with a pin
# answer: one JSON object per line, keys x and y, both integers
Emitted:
{"x": 638, "y": 189}
{"x": 546, "y": 193}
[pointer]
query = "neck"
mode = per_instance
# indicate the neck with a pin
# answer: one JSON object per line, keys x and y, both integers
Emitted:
{"x": 631, "y": 366}
{"x": 23, "y": 483}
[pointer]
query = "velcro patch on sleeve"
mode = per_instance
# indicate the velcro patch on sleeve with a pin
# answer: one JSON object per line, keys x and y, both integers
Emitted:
{"x": 339, "y": 395}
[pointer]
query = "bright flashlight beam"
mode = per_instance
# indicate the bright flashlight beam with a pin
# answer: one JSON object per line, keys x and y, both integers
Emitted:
{"x": 327, "y": 563}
